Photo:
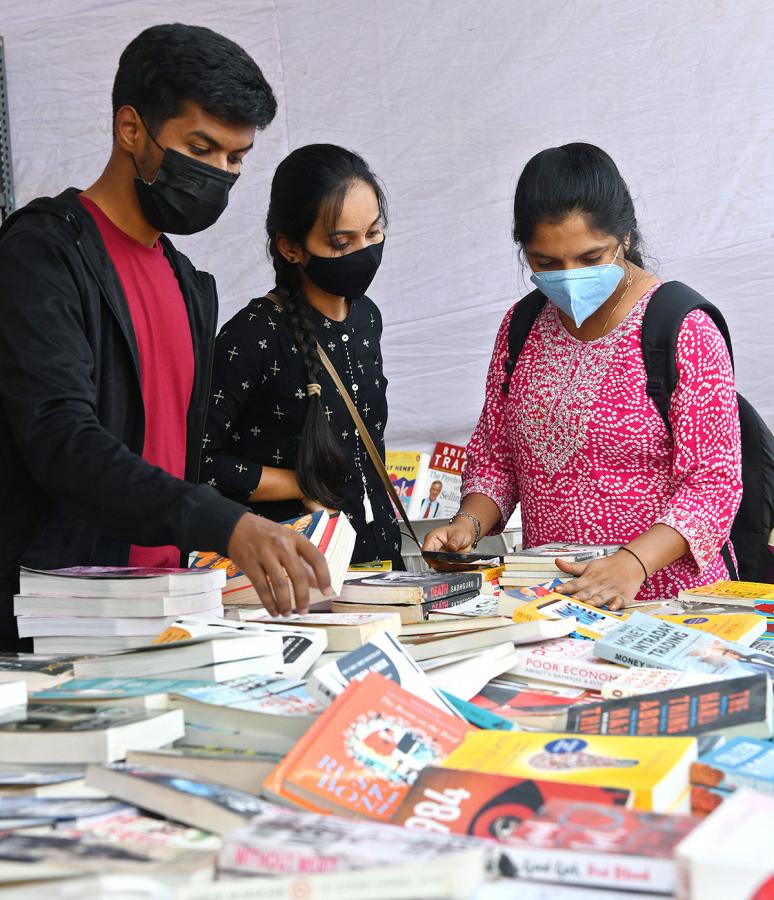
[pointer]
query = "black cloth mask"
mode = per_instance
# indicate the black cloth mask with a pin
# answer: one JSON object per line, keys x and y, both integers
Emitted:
{"x": 346, "y": 276}
{"x": 186, "y": 195}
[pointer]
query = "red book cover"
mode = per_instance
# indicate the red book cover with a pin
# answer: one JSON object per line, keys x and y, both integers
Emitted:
{"x": 485, "y": 805}
{"x": 327, "y": 535}
{"x": 362, "y": 755}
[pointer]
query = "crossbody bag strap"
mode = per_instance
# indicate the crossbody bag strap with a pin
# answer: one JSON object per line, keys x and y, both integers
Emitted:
{"x": 374, "y": 454}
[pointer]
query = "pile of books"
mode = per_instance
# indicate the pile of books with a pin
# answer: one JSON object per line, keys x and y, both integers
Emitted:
{"x": 537, "y": 565}
{"x": 91, "y": 609}
{"x": 415, "y": 740}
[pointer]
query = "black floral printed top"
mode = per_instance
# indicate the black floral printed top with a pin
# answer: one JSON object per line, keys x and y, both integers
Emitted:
{"x": 258, "y": 405}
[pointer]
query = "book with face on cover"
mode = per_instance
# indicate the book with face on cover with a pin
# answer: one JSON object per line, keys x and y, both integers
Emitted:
{"x": 654, "y": 768}
{"x": 68, "y": 734}
{"x": 281, "y": 841}
{"x": 590, "y": 844}
{"x": 490, "y": 806}
{"x": 365, "y": 751}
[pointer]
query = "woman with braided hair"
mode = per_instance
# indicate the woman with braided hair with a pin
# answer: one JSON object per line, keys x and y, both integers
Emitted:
{"x": 279, "y": 435}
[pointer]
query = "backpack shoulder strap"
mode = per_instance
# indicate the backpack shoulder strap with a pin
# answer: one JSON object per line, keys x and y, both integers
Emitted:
{"x": 661, "y": 324}
{"x": 523, "y": 318}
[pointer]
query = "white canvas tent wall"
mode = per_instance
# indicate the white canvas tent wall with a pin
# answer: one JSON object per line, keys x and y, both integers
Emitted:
{"x": 447, "y": 100}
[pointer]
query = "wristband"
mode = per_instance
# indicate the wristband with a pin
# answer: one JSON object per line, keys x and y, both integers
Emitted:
{"x": 632, "y": 553}
{"x": 476, "y": 524}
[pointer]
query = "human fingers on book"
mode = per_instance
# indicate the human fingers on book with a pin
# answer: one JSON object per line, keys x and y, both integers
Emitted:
{"x": 275, "y": 566}
{"x": 570, "y": 568}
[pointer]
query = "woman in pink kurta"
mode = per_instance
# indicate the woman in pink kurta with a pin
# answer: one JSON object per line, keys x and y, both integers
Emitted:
{"x": 576, "y": 440}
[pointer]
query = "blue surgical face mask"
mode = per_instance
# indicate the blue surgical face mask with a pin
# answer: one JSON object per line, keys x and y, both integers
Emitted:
{"x": 580, "y": 292}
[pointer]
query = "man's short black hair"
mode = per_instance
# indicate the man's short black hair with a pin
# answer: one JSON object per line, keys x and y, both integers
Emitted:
{"x": 167, "y": 65}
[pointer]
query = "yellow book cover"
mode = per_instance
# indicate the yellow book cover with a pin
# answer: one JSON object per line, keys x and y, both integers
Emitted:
{"x": 742, "y": 592}
{"x": 592, "y": 622}
{"x": 743, "y": 628}
{"x": 655, "y": 769}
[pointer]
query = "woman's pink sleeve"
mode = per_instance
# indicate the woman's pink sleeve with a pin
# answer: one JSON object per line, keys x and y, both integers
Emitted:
{"x": 707, "y": 460}
{"x": 489, "y": 466}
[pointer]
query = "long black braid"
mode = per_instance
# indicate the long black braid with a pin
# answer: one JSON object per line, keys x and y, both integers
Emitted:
{"x": 312, "y": 179}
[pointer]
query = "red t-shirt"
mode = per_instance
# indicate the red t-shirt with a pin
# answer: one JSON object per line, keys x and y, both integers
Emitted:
{"x": 163, "y": 334}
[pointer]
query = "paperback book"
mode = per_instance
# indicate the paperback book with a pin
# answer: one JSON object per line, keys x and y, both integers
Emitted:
{"x": 593, "y": 845}
{"x": 654, "y": 768}
{"x": 570, "y": 661}
{"x": 591, "y": 622}
{"x": 644, "y": 640}
{"x": 456, "y": 801}
{"x": 365, "y": 751}
{"x": 742, "y": 762}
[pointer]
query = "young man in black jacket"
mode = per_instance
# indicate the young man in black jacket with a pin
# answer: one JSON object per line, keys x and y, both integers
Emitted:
{"x": 106, "y": 336}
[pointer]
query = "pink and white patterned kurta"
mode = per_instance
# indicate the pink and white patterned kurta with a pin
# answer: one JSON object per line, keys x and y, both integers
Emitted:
{"x": 581, "y": 446}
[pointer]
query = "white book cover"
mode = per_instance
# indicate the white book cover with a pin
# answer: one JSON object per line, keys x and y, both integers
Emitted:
{"x": 633, "y": 682}
{"x": 382, "y": 654}
{"x": 566, "y": 661}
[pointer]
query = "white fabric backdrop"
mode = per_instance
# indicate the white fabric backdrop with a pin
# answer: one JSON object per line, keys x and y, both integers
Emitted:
{"x": 447, "y": 100}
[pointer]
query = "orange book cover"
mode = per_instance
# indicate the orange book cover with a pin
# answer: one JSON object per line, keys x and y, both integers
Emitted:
{"x": 366, "y": 750}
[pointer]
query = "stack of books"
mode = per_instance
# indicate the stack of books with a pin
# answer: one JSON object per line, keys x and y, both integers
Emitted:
{"x": 332, "y": 534}
{"x": 412, "y": 596}
{"x": 537, "y": 565}
{"x": 91, "y": 609}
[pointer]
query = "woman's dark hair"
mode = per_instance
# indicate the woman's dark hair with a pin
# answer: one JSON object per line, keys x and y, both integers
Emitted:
{"x": 313, "y": 181}
{"x": 575, "y": 178}
{"x": 166, "y": 65}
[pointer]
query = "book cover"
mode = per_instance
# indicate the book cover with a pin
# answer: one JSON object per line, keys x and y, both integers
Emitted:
{"x": 543, "y": 556}
{"x": 569, "y": 661}
{"x": 111, "y": 689}
{"x": 655, "y": 769}
{"x": 406, "y": 587}
{"x": 279, "y": 841}
{"x": 741, "y": 762}
{"x": 382, "y": 654}
{"x": 366, "y": 750}
{"x": 455, "y": 801}
{"x": 595, "y": 845}
{"x": 741, "y": 627}
{"x": 514, "y": 698}
{"x": 591, "y": 622}
{"x": 644, "y": 640}
{"x": 406, "y": 469}
{"x": 440, "y": 487}
{"x": 727, "y": 706}
{"x": 738, "y": 593}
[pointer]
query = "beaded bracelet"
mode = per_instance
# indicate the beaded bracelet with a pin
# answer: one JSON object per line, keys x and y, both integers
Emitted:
{"x": 476, "y": 524}
{"x": 632, "y": 553}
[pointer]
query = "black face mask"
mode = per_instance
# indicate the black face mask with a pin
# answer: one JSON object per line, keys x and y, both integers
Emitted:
{"x": 346, "y": 276}
{"x": 186, "y": 195}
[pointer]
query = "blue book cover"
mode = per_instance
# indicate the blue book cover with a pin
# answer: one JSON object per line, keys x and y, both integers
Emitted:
{"x": 646, "y": 641}
{"x": 741, "y": 762}
{"x": 115, "y": 688}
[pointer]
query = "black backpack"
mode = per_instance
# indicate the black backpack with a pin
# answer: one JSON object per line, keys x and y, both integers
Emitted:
{"x": 664, "y": 315}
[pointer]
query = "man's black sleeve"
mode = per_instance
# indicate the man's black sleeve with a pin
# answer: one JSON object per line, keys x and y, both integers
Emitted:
{"x": 47, "y": 372}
